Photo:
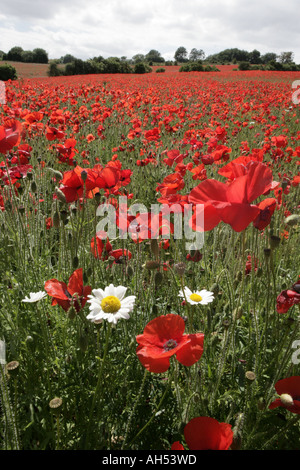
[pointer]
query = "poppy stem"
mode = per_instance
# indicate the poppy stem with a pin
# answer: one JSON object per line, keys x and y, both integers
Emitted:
{"x": 281, "y": 431}
{"x": 101, "y": 369}
{"x": 155, "y": 412}
{"x": 134, "y": 407}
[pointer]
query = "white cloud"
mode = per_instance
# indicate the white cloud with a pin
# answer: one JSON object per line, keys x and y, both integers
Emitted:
{"x": 127, "y": 27}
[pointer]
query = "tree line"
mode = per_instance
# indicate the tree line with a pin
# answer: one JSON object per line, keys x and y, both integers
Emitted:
{"x": 17, "y": 54}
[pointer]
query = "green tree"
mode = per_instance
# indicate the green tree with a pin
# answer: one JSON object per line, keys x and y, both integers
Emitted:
{"x": 40, "y": 56}
{"x": 66, "y": 59}
{"x": 154, "y": 56}
{"x": 15, "y": 53}
{"x": 181, "y": 54}
{"x": 138, "y": 58}
{"x": 254, "y": 57}
{"x": 27, "y": 56}
{"x": 268, "y": 57}
{"x": 286, "y": 57}
{"x": 196, "y": 54}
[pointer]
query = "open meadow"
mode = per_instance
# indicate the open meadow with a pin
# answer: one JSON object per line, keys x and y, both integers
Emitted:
{"x": 149, "y": 261}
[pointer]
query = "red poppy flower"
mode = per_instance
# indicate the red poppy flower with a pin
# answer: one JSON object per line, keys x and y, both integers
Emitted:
{"x": 171, "y": 184}
{"x": 52, "y": 133}
{"x": 163, "y": 338}
{"x": 10, "y": 136}
{"x": 287, "y": 298}
{"x": 102, "y": 247}
{"x": 204, "y": 433}
{"x": 232, "y": 203}
{"x": 177, "y": 446}
{"x": 74, "y": 294}
{"x": 74, "y": 181}
{"x": 289, "y": 391}
{"x": 267, "y": 208}
{"x": 148, "y": 226}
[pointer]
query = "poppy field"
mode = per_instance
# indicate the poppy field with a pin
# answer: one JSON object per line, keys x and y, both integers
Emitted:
{"x": 149, "y": 262}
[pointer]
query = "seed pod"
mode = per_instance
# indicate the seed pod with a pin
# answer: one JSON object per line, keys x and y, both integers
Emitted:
{"x": 55, "y": 405}
{"x": 250, "y": 376}
{"x": 179, "y": 268}
{"x": 12, "y": 368}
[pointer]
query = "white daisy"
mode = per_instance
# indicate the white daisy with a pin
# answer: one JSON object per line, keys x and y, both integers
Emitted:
{"x": 35, "y": 296}
{"x": 110, "y": 304}
{"x": 202, "y": 297}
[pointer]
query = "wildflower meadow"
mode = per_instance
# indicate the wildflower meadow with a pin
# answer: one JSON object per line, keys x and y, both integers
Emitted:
{"x": 149, "y": 262}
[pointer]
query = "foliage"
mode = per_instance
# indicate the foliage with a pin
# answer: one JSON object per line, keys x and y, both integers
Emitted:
{"x": 38, "y": 55}
{"x": 8, "y": 72}
{"x": 70, "y": 384}
{"x": 181, "y": 54}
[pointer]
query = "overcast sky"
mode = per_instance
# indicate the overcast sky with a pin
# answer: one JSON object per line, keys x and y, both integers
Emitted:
{"x": 88, "y": 28}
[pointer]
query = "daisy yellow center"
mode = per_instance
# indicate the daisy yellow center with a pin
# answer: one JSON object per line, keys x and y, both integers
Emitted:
{"x": 110, "y": 304}
{"x": 196, "y": 297}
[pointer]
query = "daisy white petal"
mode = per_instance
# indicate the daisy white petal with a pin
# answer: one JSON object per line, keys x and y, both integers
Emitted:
{"x": 35, "y": 297}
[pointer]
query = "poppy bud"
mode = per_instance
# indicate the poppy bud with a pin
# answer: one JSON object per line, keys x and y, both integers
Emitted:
{"x": 56, "y": 220}
{"x": 57, "y": 174}
{"x": 261, "y": 405}
{"x": 267, "y": 252}
{"x": 215, "y": 288}
{"x": 98, "y": 198}
{"x": 75, "y": 262}
{"x": 60, "y": 195}
{"x": 152, "y": 265}
{"x": 158, "y": 278}
{"x": 154, "y": 247}
{"x": 274, "y": 242}
{"x": 293, "y": 219}
{"x": 129, "y": 271}
{"x": 63, "y": 215}
{"x": 72, "y": 313}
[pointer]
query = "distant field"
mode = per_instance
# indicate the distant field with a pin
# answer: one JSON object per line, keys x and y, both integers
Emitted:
{"x": 27, "y": 70}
